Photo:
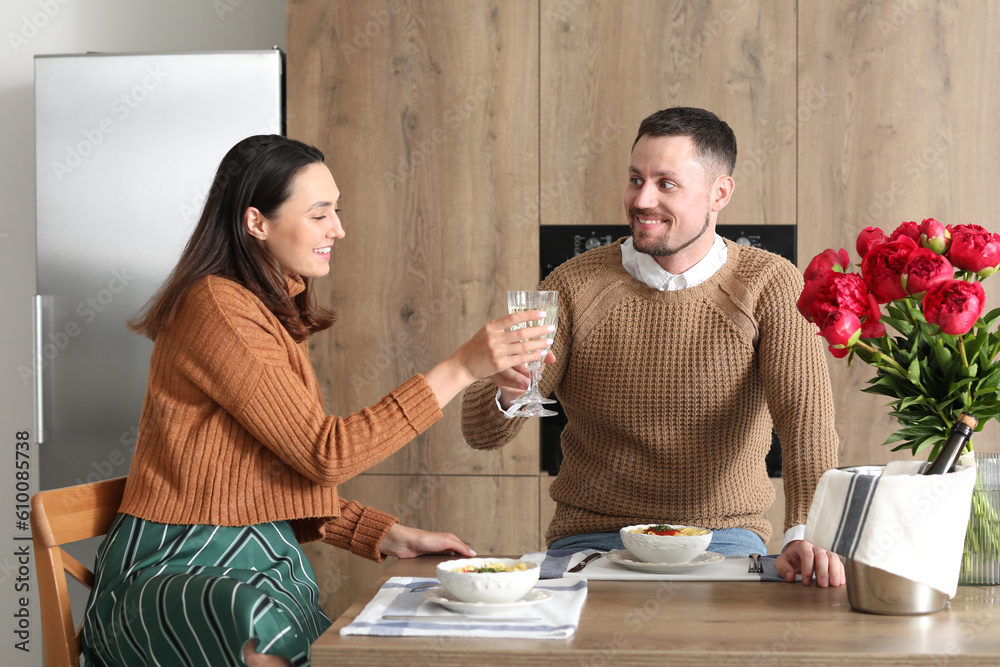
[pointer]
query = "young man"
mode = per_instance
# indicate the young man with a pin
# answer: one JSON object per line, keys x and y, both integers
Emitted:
{"x": 675, "y": 353}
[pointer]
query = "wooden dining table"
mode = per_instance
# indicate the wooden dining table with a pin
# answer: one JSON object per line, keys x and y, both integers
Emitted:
{"x": 700, "y": 623}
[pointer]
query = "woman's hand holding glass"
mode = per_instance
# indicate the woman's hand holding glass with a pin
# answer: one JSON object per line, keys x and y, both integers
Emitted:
{"x": 494, "y": 349}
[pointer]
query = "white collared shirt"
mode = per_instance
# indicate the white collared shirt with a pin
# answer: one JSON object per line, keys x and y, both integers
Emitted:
{"x": 645, "y": 269}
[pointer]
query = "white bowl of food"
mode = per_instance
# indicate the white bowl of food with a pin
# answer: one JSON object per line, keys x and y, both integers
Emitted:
{"x": 488, "y": 580}
{"x": 661, "y": 543}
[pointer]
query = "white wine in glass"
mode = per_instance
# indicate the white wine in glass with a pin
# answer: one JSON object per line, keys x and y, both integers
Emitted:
{"x": 530, "y": 404}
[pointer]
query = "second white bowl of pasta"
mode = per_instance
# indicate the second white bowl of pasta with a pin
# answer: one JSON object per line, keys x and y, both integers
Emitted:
{"x": 672, "y": 544}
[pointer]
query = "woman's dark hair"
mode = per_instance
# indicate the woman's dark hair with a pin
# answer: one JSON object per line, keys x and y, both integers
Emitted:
{"x": 258, "y": 171}
{"x": 713, "y": 139}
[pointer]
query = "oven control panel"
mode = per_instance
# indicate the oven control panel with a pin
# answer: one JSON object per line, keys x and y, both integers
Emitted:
{"x": 557, "y": 243}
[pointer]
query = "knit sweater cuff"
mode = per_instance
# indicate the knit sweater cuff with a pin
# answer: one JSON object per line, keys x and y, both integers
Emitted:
{"x": 483, "y": 424}
{"x": 359, "y": 529}
{"x": 418, "y": 402}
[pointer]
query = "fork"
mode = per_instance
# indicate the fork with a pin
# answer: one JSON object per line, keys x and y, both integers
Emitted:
{"x": 755, "y": 565}
{"x": 428, "y": 584}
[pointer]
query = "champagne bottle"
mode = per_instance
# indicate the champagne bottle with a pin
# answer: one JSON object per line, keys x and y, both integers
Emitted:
{"x": 952, "y": 449}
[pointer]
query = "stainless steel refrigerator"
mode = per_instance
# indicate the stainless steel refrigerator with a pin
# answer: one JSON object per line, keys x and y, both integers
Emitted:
{"x": 126, "y": 147}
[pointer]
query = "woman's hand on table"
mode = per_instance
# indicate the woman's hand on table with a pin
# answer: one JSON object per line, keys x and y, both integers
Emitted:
{"x": 407, "y": 542}
{"x": 801, "y": 557}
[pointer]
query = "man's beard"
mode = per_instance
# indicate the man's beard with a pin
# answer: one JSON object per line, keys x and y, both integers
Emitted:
{"x": 660, "y": 247}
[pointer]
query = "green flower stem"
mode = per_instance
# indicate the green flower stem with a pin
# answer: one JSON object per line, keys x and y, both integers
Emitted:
{"x": 889, "y": 361}
{"x": 881, "y": 357}
{"x": 965, "y": 366}
{"x": 913, "y": 311}
{"x": 995, "y": 349}
{"x": 961, "y": 351}
{"x": 983, "y": 535}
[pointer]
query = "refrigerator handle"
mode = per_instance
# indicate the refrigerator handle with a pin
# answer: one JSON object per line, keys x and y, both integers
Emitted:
{"x": 38, "y": 307}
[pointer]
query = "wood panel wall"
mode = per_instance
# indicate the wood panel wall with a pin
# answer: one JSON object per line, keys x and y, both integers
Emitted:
{"x": 455, "y": 127}
{"x": 606, "y": 65}
{"x": 427, "y": 112}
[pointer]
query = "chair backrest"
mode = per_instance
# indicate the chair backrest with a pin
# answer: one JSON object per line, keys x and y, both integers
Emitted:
{"x": 58, "y": 517}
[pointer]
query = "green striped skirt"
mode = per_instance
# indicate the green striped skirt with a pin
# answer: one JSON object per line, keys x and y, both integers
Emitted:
{"x": 194, "y": 595}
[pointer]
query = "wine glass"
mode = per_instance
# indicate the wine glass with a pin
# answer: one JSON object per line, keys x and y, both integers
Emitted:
{"x": 530, "y": 404}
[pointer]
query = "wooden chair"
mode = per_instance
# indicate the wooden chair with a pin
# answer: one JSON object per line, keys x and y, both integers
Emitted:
{"x": 58, "y": 517}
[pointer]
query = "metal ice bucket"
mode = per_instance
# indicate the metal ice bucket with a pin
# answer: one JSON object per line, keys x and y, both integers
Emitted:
{"x": 876, "y": 591}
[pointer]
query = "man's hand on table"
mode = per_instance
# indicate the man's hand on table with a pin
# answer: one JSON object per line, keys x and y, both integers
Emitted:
{"x": 805, "y": 558}
{"x": 407, "y": 542}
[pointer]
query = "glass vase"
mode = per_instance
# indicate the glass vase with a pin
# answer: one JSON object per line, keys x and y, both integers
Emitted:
{"x": 981, "y": 557}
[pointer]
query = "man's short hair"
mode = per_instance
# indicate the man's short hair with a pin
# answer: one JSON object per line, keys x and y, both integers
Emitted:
{"x": 714, "y": 140}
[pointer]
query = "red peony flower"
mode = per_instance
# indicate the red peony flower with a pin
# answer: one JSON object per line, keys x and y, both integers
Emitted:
{"x": 828, "y": 260}
{"x": 832, "y": 292}
{"x": 868, "y": 239}
{"x": 871, "y": 327}
{"x": 925, "y": 269}
{"x": 841, "y": 329}
{"x": 883, "y": 267}
{"x": 910, "y": 229}
{"x": 934, "y": 235}
{"x": 954, "y": 305}
{"x": 974, "y": 249}
{"x": 806, "y": 298}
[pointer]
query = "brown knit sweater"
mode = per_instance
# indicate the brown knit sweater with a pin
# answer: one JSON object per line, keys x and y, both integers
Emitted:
{"x": 233, "y": 430}
{"x": 670, "y": 397}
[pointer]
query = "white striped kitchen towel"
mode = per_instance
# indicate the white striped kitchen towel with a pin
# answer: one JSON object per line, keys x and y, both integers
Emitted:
{"x": 412, "y": 615}
{"x": 900, "y": 521}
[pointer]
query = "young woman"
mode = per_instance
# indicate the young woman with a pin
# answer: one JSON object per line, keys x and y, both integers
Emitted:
{"x": 237, "y": 462}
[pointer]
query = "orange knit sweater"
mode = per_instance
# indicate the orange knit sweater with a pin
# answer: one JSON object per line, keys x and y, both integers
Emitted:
{"x": 233, "y": 430}
{"x": 670, "y": 397}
